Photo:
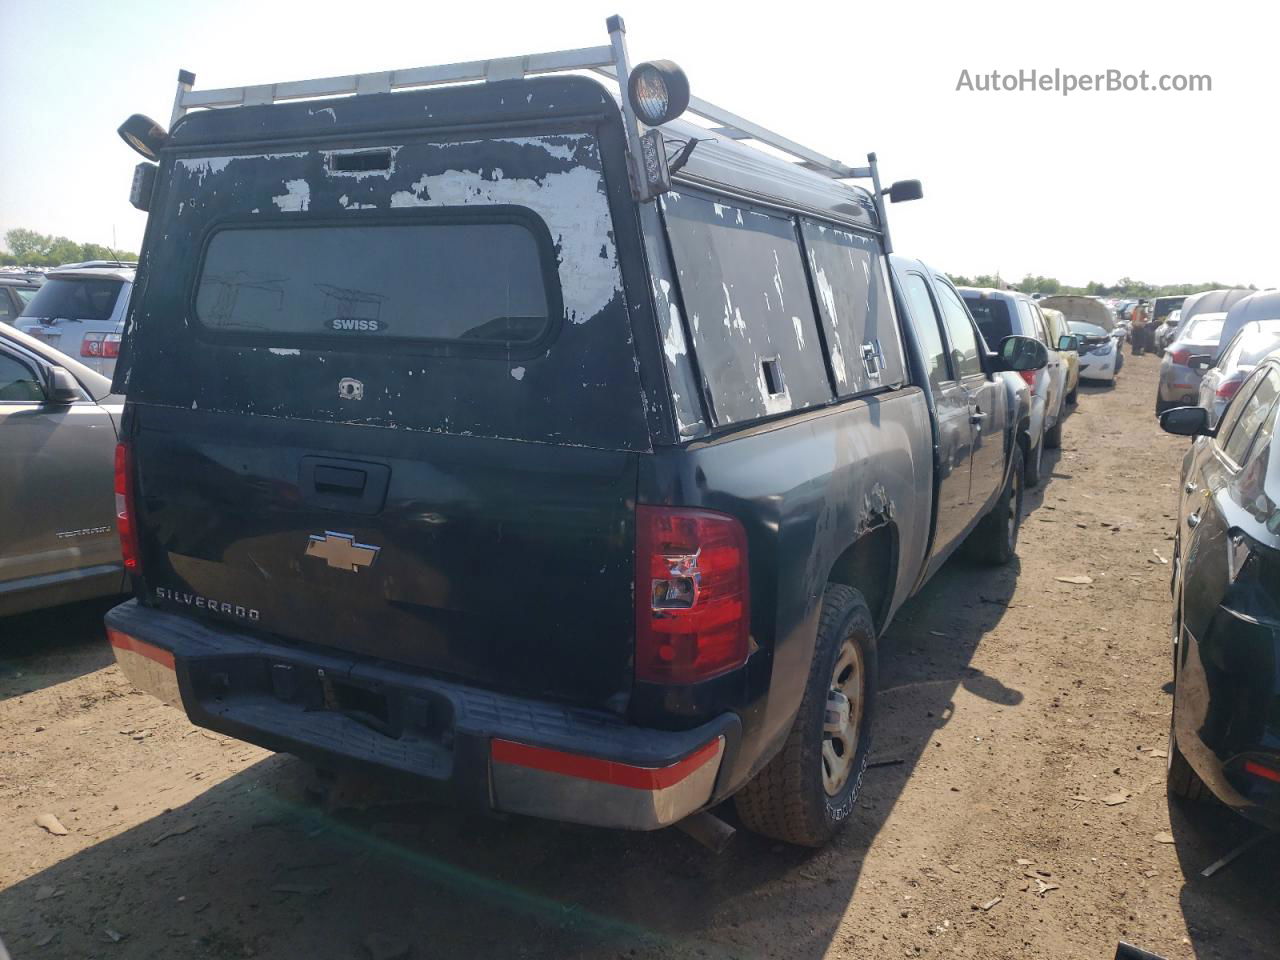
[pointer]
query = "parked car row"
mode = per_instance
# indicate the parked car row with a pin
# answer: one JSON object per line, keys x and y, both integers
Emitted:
{"x": 1208, "y": 327}
{"x": 79, "y": 310}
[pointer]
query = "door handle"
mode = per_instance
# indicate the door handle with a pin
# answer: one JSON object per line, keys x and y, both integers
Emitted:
{"x": 1193, "y": 520}
{"x": 977, "y": 417}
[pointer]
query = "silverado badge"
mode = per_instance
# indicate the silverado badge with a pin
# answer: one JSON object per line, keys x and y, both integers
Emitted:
{"x": 341, "y": 552}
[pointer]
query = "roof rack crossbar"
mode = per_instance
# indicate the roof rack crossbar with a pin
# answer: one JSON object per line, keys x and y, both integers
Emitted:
{"x": 608, "y": 60}
{"x": 501, "y": 68}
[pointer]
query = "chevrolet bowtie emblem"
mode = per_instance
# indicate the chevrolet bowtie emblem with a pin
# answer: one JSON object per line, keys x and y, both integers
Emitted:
{"x": 341, "y": 552}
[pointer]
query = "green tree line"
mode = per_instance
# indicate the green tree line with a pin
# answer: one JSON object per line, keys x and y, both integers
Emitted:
{"x": 26, "y": 248}
{"x": 1125, "y": 287}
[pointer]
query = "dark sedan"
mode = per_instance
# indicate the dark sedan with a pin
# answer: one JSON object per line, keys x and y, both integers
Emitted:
{"x": 1225, "y": 736}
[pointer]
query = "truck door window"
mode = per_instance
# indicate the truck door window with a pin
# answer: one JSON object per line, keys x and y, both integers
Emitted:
{"x": 927, "y": 324}
{"x": 747, "y": 300}
{"x": 964, "y": 342}
{"x": 854, "y": 307}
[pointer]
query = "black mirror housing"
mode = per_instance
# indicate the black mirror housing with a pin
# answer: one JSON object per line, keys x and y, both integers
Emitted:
{"x": 1200, "y": 362}
{"x": 1021, "y": 353}
{"x": 1186, "y": 422}
{"x": 64, "y": 389}
{"x": 903, "y": 190}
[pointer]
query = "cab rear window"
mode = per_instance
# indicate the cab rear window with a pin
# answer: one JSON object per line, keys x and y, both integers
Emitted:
{"x": 470, "y": 282}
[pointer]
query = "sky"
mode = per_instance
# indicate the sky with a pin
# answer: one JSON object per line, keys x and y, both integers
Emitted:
{"x": 1167, "y": 187}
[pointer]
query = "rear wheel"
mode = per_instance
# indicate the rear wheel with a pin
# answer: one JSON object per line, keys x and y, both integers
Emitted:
{"x": 1074, "y": 396}
{"x": 808, "y": 790}
{"x": 1031, "y": 473}
{"x": 1053, "y": 436}
{"x": 995, "y": 539}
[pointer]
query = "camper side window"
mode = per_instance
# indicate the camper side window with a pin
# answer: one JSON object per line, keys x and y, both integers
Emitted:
{"x": 746, "y": 297}
{"x": 862, "y": 335}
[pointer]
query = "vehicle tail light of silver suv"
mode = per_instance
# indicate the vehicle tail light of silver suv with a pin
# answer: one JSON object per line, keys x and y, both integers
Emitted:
{"x": 105, "y": 345}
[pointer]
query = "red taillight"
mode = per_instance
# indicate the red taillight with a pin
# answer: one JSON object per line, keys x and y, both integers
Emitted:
{"x": 100, "y": 345}
{"x": 1029, "y": 376}
{"x": 126, "y": 515}
{"x": 1258, "y": 770}
{"x": 1181, "y": 357}
{"x": 1228, "y": 388}
{"x": 692, "y": 609}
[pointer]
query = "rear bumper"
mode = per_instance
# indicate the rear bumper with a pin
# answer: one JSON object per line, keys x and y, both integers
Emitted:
{"x": 1227, "y": 716}
{"x": 486, "y": 749}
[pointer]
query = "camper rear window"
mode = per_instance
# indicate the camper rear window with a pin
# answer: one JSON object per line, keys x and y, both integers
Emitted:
{"x": 471, "y": 282}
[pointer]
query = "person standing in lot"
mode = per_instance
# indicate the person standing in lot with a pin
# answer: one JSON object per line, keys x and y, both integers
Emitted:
{"x": 1138, "y": 329}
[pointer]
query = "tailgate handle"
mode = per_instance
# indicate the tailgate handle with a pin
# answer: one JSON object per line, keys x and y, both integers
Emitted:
{"x": 339, "y": 480}
{"x": 349, "y": 486}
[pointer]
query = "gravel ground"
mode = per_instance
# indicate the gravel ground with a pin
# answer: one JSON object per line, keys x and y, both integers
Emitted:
{"x": 1019, "y": 810}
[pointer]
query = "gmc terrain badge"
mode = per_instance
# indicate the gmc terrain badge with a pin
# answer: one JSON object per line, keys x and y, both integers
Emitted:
{"x": 341, "y": 552}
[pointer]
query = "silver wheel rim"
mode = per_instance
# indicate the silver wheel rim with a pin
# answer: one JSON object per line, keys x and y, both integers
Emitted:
{"x": 842, "y": 720}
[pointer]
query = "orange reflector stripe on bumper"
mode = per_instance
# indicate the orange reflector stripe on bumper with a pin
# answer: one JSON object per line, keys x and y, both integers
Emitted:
{"x": 123, "y": 641}
{"x": 602, "y": 771}
{"x": 1258, "y": 770}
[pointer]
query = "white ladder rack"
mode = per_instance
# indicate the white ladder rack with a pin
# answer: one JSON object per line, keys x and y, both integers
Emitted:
{"x": 610, "y": 61}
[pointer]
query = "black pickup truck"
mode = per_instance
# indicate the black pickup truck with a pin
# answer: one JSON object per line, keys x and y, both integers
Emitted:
{"x": 446, "y": 456}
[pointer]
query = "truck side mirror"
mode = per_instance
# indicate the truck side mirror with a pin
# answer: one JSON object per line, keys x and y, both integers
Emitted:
{"x": 1021, "y": 353}
{"x": 1200, "y": 362}
{"x": 1066, "y": 342}
{"x": 903, "y": 190}
{"x": 64, "y": 389}
{"x": 1186, "y": 422}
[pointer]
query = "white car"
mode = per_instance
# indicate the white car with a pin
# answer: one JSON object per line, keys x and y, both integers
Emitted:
{"x": 1100, "y": 357}
{"x": 1254, "y": 341}
{"x": 80, "y": 311}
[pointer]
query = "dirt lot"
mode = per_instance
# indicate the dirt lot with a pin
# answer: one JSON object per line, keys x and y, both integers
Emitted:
{"x": 1015, "y": 708}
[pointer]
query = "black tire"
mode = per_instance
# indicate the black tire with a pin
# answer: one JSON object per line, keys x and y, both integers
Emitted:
{"x": 1074, "y": 396}
{"x": 1182, "y": 781}
{"x": 1053, "y": 437}
{"x": 995, "y": 539}
{"x": 1031, "y": 468}
{"x": 788, "y": 800}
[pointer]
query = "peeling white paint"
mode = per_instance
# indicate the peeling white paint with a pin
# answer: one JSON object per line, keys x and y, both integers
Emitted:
{"x": 297, "y": 198}
{"x": 517, "y": 373}
{"x": 795, "y": 322}
{"x": 673, "y": 344}
{"x": 329, "y": 110}
{"x": 828, "y": 298}
{"x": 572, "y": 204}
{"x": 719, "y": 209}
{"x": 732, "y": 315}
{"x": 206, "y": 166}
{"x": 777, "y": 277}
{"x": 283, "y": 351}
{"x": 348, "y": 204}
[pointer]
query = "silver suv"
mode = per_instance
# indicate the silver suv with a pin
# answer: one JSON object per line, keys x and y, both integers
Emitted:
{"x": 80, "y": 311}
